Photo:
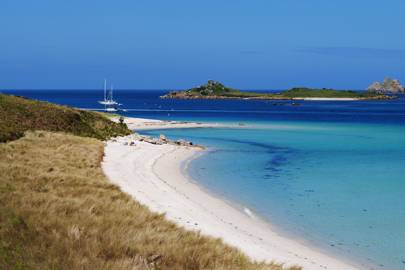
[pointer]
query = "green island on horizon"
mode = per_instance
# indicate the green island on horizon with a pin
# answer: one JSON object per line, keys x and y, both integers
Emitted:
{"x": 216, "y": 90}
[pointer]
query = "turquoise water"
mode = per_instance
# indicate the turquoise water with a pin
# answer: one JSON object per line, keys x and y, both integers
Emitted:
{"x": 341, "y": 187}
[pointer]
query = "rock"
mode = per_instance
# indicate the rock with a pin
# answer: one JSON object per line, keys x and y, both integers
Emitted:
{"x": 183, "y": 143}
{"x": 375, "y": 86}
{"x": 163, "y": 138}
{"x": 154, "y": 141}
{"x": 389, "y": 85}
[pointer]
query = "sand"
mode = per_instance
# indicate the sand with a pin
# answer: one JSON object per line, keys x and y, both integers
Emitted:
{"x": 154, "y": 176}
{"x": 150, "y": 124}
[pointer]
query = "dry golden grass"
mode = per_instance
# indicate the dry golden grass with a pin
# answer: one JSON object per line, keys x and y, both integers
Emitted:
{"x": 58, "y": 211}
{"x": 18, "y": 115}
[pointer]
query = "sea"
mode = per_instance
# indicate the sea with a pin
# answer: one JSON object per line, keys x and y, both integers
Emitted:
{"x": 328, "y": 173}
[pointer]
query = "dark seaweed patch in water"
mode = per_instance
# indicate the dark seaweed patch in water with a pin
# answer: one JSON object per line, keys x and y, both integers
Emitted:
{"x": 235, "y": 151}
{"x": 274, "y": 166}
{"x": 276, "y": 161}
{"x": 279, "y": 156}
{"x": 268, "y": 147}
{"x": 265, "y": 146}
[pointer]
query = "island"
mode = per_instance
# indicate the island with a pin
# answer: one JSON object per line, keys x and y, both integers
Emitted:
{"x": 216, "y": 90}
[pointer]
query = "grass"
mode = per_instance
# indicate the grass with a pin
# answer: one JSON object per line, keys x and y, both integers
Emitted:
{"x": 17, "y": 115}
{"x": 58, "y": 211}
{"x": 326, "y": 93}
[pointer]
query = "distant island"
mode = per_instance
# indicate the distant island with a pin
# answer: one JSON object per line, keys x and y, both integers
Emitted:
{"x": 216, "y": 90}
{"x": 389, "y": 86}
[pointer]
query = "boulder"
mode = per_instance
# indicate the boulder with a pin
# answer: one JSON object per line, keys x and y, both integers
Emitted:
{"x": 163, "y": 138}
{"x": 375, "y": 87}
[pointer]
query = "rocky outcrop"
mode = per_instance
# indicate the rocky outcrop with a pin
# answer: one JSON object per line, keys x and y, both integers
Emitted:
{"x": 132, "y": 140}
{"x": 212, "y": 89}
{"x": 389, "y": 86}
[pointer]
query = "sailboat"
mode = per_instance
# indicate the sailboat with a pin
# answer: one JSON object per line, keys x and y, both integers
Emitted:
{"x": 110, "y": 105}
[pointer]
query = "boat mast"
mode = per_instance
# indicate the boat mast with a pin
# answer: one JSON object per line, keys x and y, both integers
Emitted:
{"x": 105, "y": 89}
{"x": 112, "y": 86}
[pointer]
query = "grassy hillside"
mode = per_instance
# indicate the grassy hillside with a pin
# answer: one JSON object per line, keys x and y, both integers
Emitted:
{"x": 325, "y": 93}
{"x": 62, "y": 213}
{"x": 18, "y": 115}
{"x": 212, "y": 89}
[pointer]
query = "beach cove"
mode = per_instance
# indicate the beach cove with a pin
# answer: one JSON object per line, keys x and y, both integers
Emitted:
{"x": 155, "y": 175}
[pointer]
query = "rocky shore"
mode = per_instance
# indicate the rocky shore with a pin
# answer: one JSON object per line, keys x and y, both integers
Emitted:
{"x": 133, "y": 139}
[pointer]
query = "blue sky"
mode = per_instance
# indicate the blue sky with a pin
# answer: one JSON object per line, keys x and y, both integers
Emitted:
{"x": 154, "y": 44}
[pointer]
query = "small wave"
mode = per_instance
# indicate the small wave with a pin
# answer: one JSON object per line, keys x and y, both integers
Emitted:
{"x": 248, "y": 212}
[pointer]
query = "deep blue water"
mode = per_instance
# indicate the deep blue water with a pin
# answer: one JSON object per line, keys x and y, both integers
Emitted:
{"x": 146, "y": 103}
{"x": 332, "y": 173}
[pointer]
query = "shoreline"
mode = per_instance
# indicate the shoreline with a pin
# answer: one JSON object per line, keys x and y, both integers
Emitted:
{"x": 329, "y": 99}
{"x": 152, "y": 124}
{"x": 163, "y": 186}
{"x": 267, "y": 224}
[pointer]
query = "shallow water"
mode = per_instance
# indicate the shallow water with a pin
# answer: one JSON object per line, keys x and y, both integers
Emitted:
{"x": 331, "y": 173}
{"x": 341, "y": 187}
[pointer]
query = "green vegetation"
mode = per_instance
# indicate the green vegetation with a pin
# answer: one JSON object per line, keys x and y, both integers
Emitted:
{"x": 17, "y": 115}
{"x": 325, "y": 93}
{"x": 216, "y": 90}
{"x": 213, "y": 90}
{"x": 58, "y": 211}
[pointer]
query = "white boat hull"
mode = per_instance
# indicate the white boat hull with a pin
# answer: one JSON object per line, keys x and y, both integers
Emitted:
{"x": 111, "y": 110}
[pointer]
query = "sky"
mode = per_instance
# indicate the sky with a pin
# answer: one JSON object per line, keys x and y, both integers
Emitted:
{"x": 161, "y": 44}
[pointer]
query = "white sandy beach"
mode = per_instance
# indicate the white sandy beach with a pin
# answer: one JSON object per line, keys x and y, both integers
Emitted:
{"x": 153, "y": 175}
{"x": 150, "y": 124}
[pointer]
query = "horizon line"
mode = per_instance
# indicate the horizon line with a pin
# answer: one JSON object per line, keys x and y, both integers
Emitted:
{"x": 167, "y": 89}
